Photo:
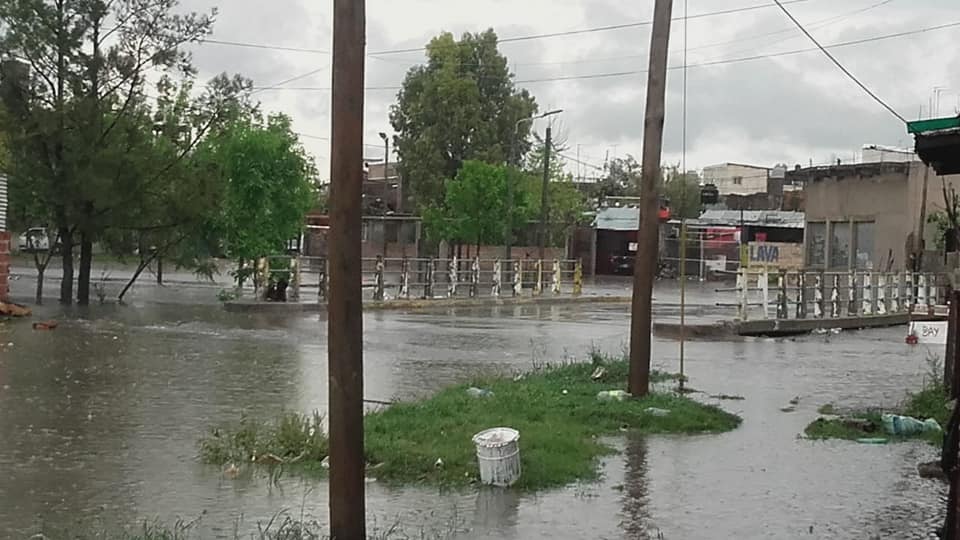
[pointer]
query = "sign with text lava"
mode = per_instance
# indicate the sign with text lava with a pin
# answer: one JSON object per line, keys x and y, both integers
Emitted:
{"x": 775, "y": 255}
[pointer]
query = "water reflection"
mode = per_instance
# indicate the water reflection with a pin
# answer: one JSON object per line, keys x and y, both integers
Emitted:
{"x": 636, "y": 490}
{"x": 497, "y": 510}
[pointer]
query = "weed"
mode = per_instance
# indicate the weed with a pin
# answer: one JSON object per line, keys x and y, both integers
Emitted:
{"x": 555, "y": 409}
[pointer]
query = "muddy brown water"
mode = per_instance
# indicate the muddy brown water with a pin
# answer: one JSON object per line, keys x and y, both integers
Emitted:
{"x": 99, "y": 422}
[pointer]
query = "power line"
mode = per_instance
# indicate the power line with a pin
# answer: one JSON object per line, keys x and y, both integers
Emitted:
{"x": 698, "y": 65}
{"x": 604, "y": 28}
{"x": 514, "y": 39}
{"x": 584, "y": 163}
{"x": 839, "y": 65}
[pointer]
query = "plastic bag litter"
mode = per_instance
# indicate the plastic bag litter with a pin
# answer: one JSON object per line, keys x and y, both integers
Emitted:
{"x": 895, "y": 424}
{"x": 613, "y": 395}
{"x": 657, "y": 412}
{"x": 475, "y": 392}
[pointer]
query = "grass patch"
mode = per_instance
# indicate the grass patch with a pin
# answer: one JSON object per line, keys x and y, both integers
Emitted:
{"x": 931, "y": 402}
{"x": 555, "y": 408}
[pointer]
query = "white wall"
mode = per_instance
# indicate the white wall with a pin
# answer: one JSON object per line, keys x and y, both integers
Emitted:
{"x": 732, "y": 179}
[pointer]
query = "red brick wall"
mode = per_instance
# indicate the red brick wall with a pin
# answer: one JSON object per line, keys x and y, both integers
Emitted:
{"x": 4, "y": 266}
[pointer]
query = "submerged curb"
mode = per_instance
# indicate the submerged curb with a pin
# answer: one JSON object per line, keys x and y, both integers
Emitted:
{"x": 423, "y": 305}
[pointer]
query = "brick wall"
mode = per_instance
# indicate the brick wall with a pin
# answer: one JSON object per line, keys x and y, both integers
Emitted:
{"x": 4, "y": 266}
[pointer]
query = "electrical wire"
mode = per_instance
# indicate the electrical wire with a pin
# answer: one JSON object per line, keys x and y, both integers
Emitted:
{"x": 838, "y": 64}
{"x": 514, "y": 39}
{"x": 697, "y": 65}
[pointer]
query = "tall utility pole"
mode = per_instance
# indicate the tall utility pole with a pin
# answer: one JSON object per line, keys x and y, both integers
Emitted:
{"x": 345, "y": 316}
{"x": 647, "y": 249}
{"x": 544, "y": 195}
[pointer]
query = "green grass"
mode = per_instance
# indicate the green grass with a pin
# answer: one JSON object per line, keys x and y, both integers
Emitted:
{"x": 555, "y": 409}
{"x": 931, "y": 402}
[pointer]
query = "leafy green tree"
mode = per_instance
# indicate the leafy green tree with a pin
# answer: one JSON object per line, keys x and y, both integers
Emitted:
{"x": 268, "y": 185}
{"x": 682, "y": 190}
{"x": 73, "y": 97}
{"x": 621, "y": 179}
{"x": 565, "y": 202}
{"x": 474, "y": 206}
{"x": 461, "y": 105}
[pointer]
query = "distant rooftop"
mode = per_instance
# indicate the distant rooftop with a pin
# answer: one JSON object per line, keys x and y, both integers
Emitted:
{"x": 755, "y": 218}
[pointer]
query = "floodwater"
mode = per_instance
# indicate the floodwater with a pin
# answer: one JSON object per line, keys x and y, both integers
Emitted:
{"x": 99, "y": 422}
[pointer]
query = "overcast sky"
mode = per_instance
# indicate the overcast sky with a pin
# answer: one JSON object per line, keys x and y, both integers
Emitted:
{"x": 784, "y": 109}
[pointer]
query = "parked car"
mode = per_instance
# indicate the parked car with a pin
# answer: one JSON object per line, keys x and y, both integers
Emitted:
{"x": 35, "y": 239}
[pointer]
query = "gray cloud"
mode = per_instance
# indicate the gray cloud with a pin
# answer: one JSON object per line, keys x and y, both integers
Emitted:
{"x": 785, "y": 109}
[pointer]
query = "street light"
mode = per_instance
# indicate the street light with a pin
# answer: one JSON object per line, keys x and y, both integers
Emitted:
{"x": 514, "y": 156}
{"x": 386, "y": 188}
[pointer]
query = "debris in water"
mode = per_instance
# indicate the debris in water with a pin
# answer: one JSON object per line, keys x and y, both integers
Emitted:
{"x": 46, "y": 325}
{"x": 728, "y": 397}
{"x": 789, "y": 409}
{"x": 795, "y": 401}
{"x": 931, "y": 470}
{"x": 14, "y": 310}
{"x": 231, "y": 471}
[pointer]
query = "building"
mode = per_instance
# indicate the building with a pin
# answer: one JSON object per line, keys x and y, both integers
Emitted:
{"x": 738, "y": 179}
{"x": 382, "y": 189}
{"x": 870, "y": 216}
{"x": 875, "y": 153}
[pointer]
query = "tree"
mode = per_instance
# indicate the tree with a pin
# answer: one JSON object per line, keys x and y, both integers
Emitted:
{"x": 621, "y": 180}
{"x": 682, "y": 190}
{"x": 566, "y": 204}
{"x": 268, "y": 185}
{"x": 74, "y": 95}
{"x": 461, "y": 105}
{"x": 474, "y": 207}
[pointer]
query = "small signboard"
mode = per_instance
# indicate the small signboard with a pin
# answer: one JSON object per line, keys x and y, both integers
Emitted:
{"x": 775, "y": 255}
{"x": 929, "y": 333}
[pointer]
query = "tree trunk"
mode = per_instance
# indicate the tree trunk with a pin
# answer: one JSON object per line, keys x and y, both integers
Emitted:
{"x": 86, "y": 261}
{"x": 140, "y": 268}
{"x": 40, "y": 272}
{"x": 66, "y": 252}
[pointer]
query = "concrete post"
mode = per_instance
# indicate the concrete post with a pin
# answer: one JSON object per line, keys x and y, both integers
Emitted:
{"x": 404, "y": 279}
{"x": 932, "y": 294}
{"x": 429, "y": 283}
{"x": 782, "y": 296}
{"x": 378, "y": 287}
{"x": 852, "y": 284}
{"x": 764, "y": 283}
{"x": 882, "y": 285}
{"x": 262, "y": 281}
{"x": 475, "y": 278}
{"x": 742, "y": 296}
{"x": 517, "y": 278}
{"x": 802, "y": 295}
{"x": 911, "y": 296}
{"x": 322, "y": 282}
{"x": 497, "y": 288}
{"x": 538, "y": 285}
{"x": 922, "y": 291}
{"x": 867, "y": 301}
{"x": 818, "y": 296}
{"x": 835, "y": 297}
{"x": 5, "y": 240}
{"x": 557, "y": 277}
{"x": 294, "y": 279}
{"x": 453, "y": 277}
{"x": 578, "y": 278}
{"x": 895, "y": 306}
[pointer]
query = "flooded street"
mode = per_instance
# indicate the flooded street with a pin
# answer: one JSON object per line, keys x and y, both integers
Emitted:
{"x": 99, "y": 422}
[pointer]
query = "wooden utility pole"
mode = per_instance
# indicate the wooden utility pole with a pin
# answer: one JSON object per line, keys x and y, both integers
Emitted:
{"x": 345, "y": 315}
{"x": 645, "y": 265}
{"x": 544, "y": 195}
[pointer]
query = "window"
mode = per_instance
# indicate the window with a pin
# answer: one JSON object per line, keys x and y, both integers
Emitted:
{"x": 840, "y": 241}
{"x": 816, "y": 244}
{"x": 737, "y": 180}
{"x": 863, "y": 237}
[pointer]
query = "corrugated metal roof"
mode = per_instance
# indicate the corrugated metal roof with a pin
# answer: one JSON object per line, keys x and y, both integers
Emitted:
{"x": 617, "y": 219}
{"x": 756, "y": 218}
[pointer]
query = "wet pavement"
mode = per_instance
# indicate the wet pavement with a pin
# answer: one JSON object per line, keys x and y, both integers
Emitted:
{"x": 99, "y": 422}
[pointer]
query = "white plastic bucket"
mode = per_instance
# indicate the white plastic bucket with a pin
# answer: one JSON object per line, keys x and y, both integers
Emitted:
{"x": 498, "y": 454}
